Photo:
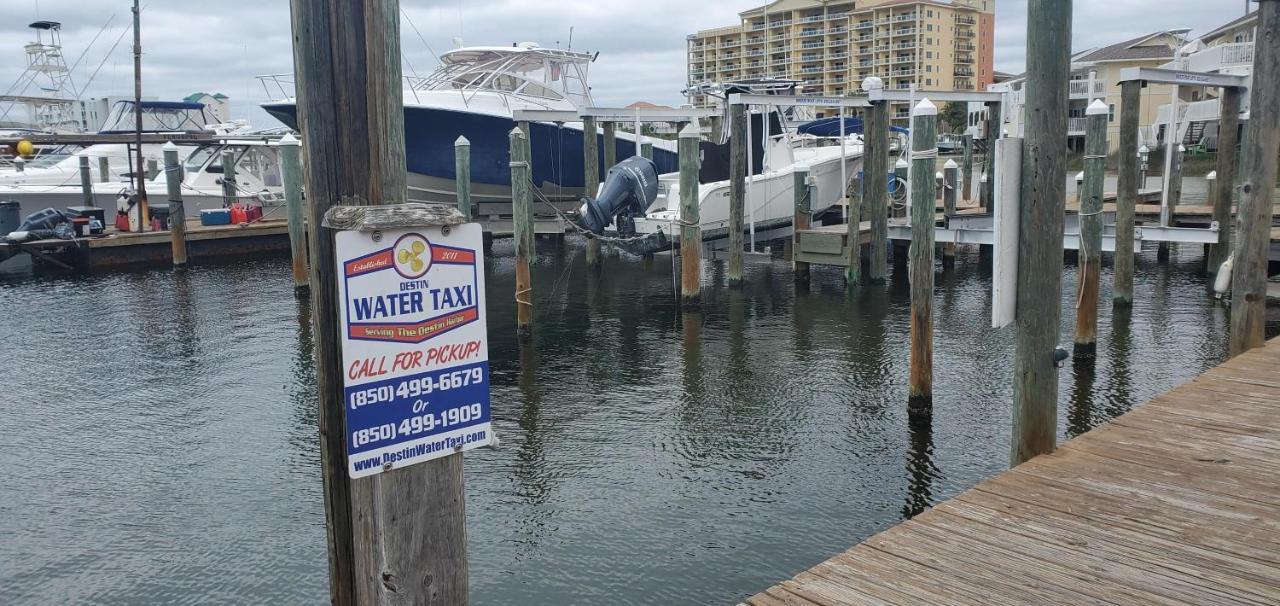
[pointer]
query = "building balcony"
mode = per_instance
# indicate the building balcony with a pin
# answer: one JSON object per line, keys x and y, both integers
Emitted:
{"x": 810, "y": 70}
{"x": 966, "y": 20}
{"x": 755, "y": 53}
{"x": 1232, "y": 58}
{"x": 838, "y": 43}
{"x": 866, "y": 63}
{"x": 811, "y": 19}
{"x": 839, "y": 55}
{"x": 964, "y": 58}
{"x": 865, "y": 25}
{"x": 730, "y": 56}
{"x": 1079, "y": 89}
{"x": 965, "y": 86}
{"x": 817, "y": 44}
{"x": 810, "y": 57}
{"x": 836, "y": 16}
{"x": 902, "y": 73}
{"x": 966, "y": 47}
{"x": 755, "y": 40}
{"x": 782, "y": 23}
{"x": 905, "y": 31}
{"x": 865, "y": 38}
{"x": 755, "y": 27}
{"x": 1077, "y": 126}
{"x": 905, "y": 45}
{"x": 907, "y": 18}
{"x": 837, "y": 30}
{"x": 963, "y": 72}
{"x": 810, "y": 32}
{"x": 964, "y": 33}
{"x": 904, "y": 59}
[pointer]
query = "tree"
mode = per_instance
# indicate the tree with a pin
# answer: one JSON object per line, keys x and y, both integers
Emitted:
{"x": 956, "y": 116}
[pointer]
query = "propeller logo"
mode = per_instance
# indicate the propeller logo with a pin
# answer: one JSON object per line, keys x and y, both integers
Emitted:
{"x": 413, "y": 256}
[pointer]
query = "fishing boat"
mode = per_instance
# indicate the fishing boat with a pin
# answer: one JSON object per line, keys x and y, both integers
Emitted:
{"x": 473, "y": 94}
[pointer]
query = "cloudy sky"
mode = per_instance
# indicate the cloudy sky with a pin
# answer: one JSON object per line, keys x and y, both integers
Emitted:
{"x": 188, "y": 47}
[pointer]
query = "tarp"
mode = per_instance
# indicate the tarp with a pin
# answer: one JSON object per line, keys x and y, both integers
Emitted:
{"x": 830, "y": 127}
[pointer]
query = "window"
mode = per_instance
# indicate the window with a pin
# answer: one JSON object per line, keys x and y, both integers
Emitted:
{"x": 928, "y": 82}
{"x": 930, "y": 14}
{"x": 1111, "y": 113}
{"x": 928, "y": 54}
{"x": 928, "y": 68}
{"x": 930, "y": 27}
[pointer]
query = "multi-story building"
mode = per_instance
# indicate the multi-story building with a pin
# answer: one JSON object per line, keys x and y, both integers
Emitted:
{"x": 832, "y": 45}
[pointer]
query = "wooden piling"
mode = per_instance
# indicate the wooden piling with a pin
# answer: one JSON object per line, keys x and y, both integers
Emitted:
{"x": 153, "y": 168}
{"x": 1035, "y": 387}
{"x": 901, "y": 172}
{"x": 591, "y": 175}
{"x": 177, "y": 214}
{"x": 398, "y": 536}
{"x": 1168, "y": 212}
{"x": 968, "y": 167}
{"x": 717, "y": 128}
{"x": 646, "y": 149}
{"x": 1127, "y": 192}
{"x": 1223, "y": 187}
{"x": 462, "y": 175}
{"x": 738, "y": 150}
{"x": 104, "y": 169}
{"x": 800, "y": 219}
{"x": 520, "y": 201}
{"x": 995, "y": 122}
{"x": 1095, "y": 166}
{"x": 229, "y": 194}
{"x": 526, "y": 155}
{"x": 19, "y": 164}
{"x": 924, "y": 149}
{"x": 690, "y": 226}
{"x": 950, "y": 183}
{"x": 853, "y": 232}
{"x": 610, "y": 145}
{"x": 291, "y": 173}
{"x": 86, "y": 183}
{"x": 875, "y": 187}
{"x": 1253, "y": 225}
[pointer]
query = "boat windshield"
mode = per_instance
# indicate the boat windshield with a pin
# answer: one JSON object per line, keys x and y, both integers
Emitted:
{"x": 531, "y": 72}
{"x": 157, "y": 116}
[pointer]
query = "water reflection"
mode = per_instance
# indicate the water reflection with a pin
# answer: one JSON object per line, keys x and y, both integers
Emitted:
{"x": 1080, "y": 410}
{"x": 921, "y": 470}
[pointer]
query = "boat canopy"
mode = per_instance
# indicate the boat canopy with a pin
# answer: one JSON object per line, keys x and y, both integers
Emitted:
{"x": 830, "y": 127}
{"x": 157, "y": 116}
{"x": 526, "y": 70}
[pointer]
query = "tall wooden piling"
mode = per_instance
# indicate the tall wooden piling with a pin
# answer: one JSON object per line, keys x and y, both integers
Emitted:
{"x": 1173, "y": 195}
{"x": 901, "y": 172}
{"x": 229, "y": 193}
{"x": 177, "y": 214}
{"x": 591, "y": 176}
{"x": 968, "y": 167}
{"x": 1257, "y": 192}
{"x": 800, "y": 219}
{"x": 1095, "y": 166}
{"x": 875, "y": 187}
{"x": 738, "y": 150}
{"x": 86, "y": 182}
{"x": 1126, "y": 192}
{"x": 853, "y": 231}
{"x": 153, "y": 168}
{"x": 1035, "y": 387}
{"x": 526, "y": 155}
{"x": 610, "y": 145}
{"x": 291, "y": 173}
{"x": 104, "y": 169}
{"x": 690, "y": 227}
{"x": 520, "y": 201}
{"x": 1222, "y": 188}
{"x": 924, "y": 148}
{"x": 950, "y": 183}
{"x": 399, "y": 536}
{"x": 462, "y": 175}
{"x": 995, "y": 122}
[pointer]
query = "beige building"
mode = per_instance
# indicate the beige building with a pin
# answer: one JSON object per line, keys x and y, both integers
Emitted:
{"x": 832, "y": 45}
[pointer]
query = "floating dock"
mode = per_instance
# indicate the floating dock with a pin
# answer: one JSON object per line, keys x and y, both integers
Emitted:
{"x": 1177, "y": 501}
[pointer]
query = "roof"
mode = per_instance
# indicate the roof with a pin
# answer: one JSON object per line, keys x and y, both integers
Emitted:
{"x": 1129, "y": 50}
{"x": 194, "y": 97}
{"x": 1246, "y": 19}
{"x": 647, "y": 105}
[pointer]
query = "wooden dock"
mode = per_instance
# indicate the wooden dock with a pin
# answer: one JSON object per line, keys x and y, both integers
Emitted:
{"x": 1176, "y": 502}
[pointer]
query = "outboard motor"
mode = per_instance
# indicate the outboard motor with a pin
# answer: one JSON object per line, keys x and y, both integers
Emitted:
{"x": 629, "y": 189}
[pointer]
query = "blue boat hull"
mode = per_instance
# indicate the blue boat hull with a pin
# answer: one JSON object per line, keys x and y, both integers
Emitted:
{"x": 431, "y": 132}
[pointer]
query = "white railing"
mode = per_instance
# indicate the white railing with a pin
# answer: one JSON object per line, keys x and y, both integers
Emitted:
{"x": 1220, "y": 57}
{"x": 1079, "y": 89}
{"x": 1076, "y": 126}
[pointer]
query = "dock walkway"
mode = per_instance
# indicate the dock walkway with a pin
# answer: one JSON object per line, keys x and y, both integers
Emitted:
{"x": 1177, "y": 501}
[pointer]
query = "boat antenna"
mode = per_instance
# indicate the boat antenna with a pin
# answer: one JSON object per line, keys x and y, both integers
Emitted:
{"x": 570, "y": 38}
{"x": 84, "y": 52}
{"x": 420, "y": 38}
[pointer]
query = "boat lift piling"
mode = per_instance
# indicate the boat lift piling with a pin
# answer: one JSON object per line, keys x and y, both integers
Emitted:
{"x": 521, "y": 201}
{"x": 177, "y": 214}
{"x": 738, "y": 155}
{"x": 86, "y": 182}
{"x": 968, "y": 167}
{"x": 690, "y": 226}
{"x": 291, "y": 176}
{"x": 875, "y": 146}
{"x": 1090, "y": 256}
{"x": 462, "y": 175}
{"x": 1220, "y": 190}
{"x": 950, "y": 183}
{"x": 1127, "y": 187}
{"x": 591, "y": 178}
{"x": 526, "y": 154}
{"x": 924, "y": 157}
{"x": 802, "y": 193}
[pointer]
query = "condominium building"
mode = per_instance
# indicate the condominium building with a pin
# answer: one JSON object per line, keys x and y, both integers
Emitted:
{"x": 832, "y": 45}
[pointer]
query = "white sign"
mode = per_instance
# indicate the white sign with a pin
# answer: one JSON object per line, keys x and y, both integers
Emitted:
{"x": 415, "y": 352}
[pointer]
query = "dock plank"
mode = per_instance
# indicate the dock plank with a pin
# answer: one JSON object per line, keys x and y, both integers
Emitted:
{"x": 1176, "y": 501}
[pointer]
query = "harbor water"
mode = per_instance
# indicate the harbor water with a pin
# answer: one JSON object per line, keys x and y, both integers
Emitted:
{"x": 160, "y": 437}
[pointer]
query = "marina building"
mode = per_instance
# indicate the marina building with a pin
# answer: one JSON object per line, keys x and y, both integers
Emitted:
{"x": 831, "y": 46}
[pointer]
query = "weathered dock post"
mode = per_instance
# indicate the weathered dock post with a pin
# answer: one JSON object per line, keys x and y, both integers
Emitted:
{"x": 646, "y": 148}
{"x": 153, "y": 168}
{"x": 86, "y": 182}
{"x": 520, "y": 202}
{"x": 875, "y": 182}
{"x": 177, "y": 214}
{"x": 526, "y": 155}
{"x": 690, "y": 228}
{"x": 1095, "y": 166}
{"x": 291, "y": 173}
{"x": 398, "y": 536}
{"x": 462, "y": 175}
{"x": 1253, "y": 224}
{"x": 1221, "y": 189}
{"x": 610, "y": 145}
{"x": 738, "y": 150}
{"x": 1035, "y": 375}
{"x": 1126, "y": 192}
{"x": 1172, "y": 195}
{"x": 19, "y": 164}
{"x": 950, "y": 183}
{"x": 800, "y": 220}
{"x": 995, "y": 121}
{"x": 104, "y": 169}
{"x": 968, "y": 167}
{"x": 228, "y": 178}
{"x": 901, "y": 172}
{"x": 924, "y": 159}
{"x": 853, "y": 231}
{"x": 591, "y": 178}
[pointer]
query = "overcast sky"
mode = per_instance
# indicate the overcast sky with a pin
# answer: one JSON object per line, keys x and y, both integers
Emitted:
{"x": 190, "y": 46}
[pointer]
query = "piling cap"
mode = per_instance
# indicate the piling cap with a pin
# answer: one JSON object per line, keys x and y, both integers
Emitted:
{"x": 984, "y": 178}
{"x": 169, "y": 146}
{"x": 902, "y": 163}
{"x": 460, "y": 141}
{"x": 1097, "y": 108}
{"x": 689, "y": 130}
{"x": 289, "y": 139}
{"x": 938, "y": 176}
{"x": 925, "y": 108}
{"x": 1144, "y": 150}
{"x": 1182, "y": 147}
{"x": 1079, "y": 176}
{"x": 516, "y": 132}
{"x": 872, "y": 83}
{"x": 1213, "y": 174}
{"x": 950, "y": 164}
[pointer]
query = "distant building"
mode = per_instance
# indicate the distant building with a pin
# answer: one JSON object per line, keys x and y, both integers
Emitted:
{"x": 832, "y": 45}
{"x": 217, "y": 105}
